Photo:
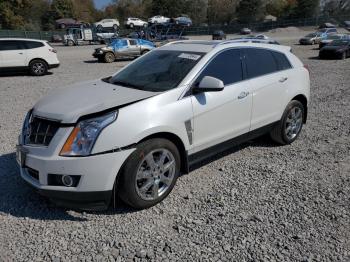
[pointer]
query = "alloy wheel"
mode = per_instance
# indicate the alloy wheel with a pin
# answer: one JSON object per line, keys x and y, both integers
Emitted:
{"x": 294, "y": 122}
{"x": 155, "y": 174}
{"x": 38, "y": 68}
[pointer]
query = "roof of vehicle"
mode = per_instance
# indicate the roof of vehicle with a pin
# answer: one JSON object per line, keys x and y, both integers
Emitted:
{"x": 23, "y": 39}
{"x": 207, "y": 46}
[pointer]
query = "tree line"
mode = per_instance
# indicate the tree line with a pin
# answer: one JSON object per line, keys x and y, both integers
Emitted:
{"x": 41, "y": 14}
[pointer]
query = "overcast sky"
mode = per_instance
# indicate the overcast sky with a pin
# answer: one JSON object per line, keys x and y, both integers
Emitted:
{"x": 101, "y": 3}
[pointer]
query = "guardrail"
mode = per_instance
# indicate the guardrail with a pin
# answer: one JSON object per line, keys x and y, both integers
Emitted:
{"x": 201, "y": 30}
{"x": 42, "y": 35}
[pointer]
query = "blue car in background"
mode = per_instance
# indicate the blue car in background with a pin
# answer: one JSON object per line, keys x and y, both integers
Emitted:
{"x": 123, "y": 48}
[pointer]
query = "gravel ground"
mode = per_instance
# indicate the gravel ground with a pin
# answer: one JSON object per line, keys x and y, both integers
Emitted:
{"x": 257, "y": 202}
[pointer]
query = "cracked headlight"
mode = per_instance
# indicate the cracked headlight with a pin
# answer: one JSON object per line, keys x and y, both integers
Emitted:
{"x": 84, "y": 135}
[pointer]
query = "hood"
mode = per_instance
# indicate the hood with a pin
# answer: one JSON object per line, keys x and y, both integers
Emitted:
{"x": 68, "y": 104}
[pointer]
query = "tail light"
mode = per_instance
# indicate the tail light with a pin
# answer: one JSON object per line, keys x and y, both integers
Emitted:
{"x": 53, "y": 50}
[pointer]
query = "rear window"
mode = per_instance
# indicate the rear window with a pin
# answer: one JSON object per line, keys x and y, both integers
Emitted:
{"x": 8, "y": 45}
{"x": 260, "y": 62}
{"x": 33, "y": 44}
{"x": 282, "y": 61}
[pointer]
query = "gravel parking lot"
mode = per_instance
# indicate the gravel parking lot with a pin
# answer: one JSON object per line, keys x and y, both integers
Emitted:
{"x": 257, "y": 202}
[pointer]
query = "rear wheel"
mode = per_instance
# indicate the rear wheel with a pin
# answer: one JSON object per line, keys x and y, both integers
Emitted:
{"x": 150, "y": 173}
{"x": 38, "y": 67}
{"x": 289, "y": 127}
{"x": 109, "y": 57}
{"x": 131, "y": 25}
{"x": 144, "y": 52}
{"x": 115, "y": 27}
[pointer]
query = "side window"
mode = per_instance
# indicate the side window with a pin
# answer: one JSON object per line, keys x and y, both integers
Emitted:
{"x": 133, "y": 42}
{"x": 282, "y": 61}
{"x": 259, "y": 62}
{"x": 226, "y": 66}
{"x": 11, "y": 45}
{"x": 32, "y": 44}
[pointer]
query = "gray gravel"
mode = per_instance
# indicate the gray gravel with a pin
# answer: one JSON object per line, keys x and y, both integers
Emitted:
{"x": 257, "y": 202}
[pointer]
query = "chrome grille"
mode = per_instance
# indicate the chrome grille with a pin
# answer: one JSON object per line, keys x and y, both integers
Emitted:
{"x": 39, "y": 131}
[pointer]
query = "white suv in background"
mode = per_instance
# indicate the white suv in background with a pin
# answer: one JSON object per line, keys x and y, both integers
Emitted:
{"x": 27, "y": 54}
{"x": 133, "y": 133}
{"x": 159, "y": 19}
{"x": 132, "y": 22}
{"x": 107, "y": 23}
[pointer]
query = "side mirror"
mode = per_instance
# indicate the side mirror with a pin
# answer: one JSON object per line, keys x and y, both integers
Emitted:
{"x": 209, "y": 84}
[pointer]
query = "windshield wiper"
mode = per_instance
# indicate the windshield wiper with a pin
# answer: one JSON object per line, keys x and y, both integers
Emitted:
{"x": 126, "y": 84}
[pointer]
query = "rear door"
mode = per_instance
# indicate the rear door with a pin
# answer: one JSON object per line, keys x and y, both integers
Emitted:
{"x": 269, "y": 74}
{"x": 220, "y": 116}
{"x": 134, "y": 48}
{"x": 13, "y": 53}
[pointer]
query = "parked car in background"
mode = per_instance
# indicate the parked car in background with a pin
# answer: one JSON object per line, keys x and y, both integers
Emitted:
{"x": 327, "y": 25}
{"x": 67, "y": 22}
{"x": 131, "y": 22}
{"x": 245, "y": 31}
{"x": 107, "y": 23}
{"x": 183, "y": 20}
{"x": 56, "y": 38}
{"x": 311, "y": 39}
{"x": 261, "y": 36}
{"x": 339, "y": 49}
{"x": 31, "y": 55}
{"x": 132, "y": 134}
{"x": 327, "y": 31}
{"x": 123, "y": 48}
{"x": 219, "y": 35}
{"x": 159, "y": 19}
{"x": 331, "y": 38}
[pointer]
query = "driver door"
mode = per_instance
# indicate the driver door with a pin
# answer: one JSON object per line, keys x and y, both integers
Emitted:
{"x": 220, "y": 116}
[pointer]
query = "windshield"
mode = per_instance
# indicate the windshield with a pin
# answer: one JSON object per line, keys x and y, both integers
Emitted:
{"x": 334, "y": 37}
{"x": 158, "y": 71}
{"x": 340, "y": 42}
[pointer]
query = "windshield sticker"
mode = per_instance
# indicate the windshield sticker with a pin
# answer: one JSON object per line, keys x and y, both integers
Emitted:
{"x": 190, "y": 56}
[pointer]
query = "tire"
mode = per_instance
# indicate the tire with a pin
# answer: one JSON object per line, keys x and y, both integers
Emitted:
{"x": 131, "y": 25}
{"x": 141, "y": 188}
{"x": 144, "y": 52}
{"x": 109, "y": 57}
{"x": 38, "y": 67}
{"x": 62, "y": 26}
{"x": 288, "y": 129}
{"x": 115, "y": 27}
{"x": 70, "y": 43}
{"x": 99, "y": 28}
{"x": 145, "y": 25}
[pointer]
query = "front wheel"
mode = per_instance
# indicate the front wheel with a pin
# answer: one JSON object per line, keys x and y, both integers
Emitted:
{"x": 150, "y": 173}
{"x": 289, "y": 127}
{"x": 38, "y": 68}
{"x": 109, "y": 57}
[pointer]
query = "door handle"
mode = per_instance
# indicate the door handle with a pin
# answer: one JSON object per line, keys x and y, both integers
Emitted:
{"x": 283, "y": 79}
{"x": 243, "y": 95}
